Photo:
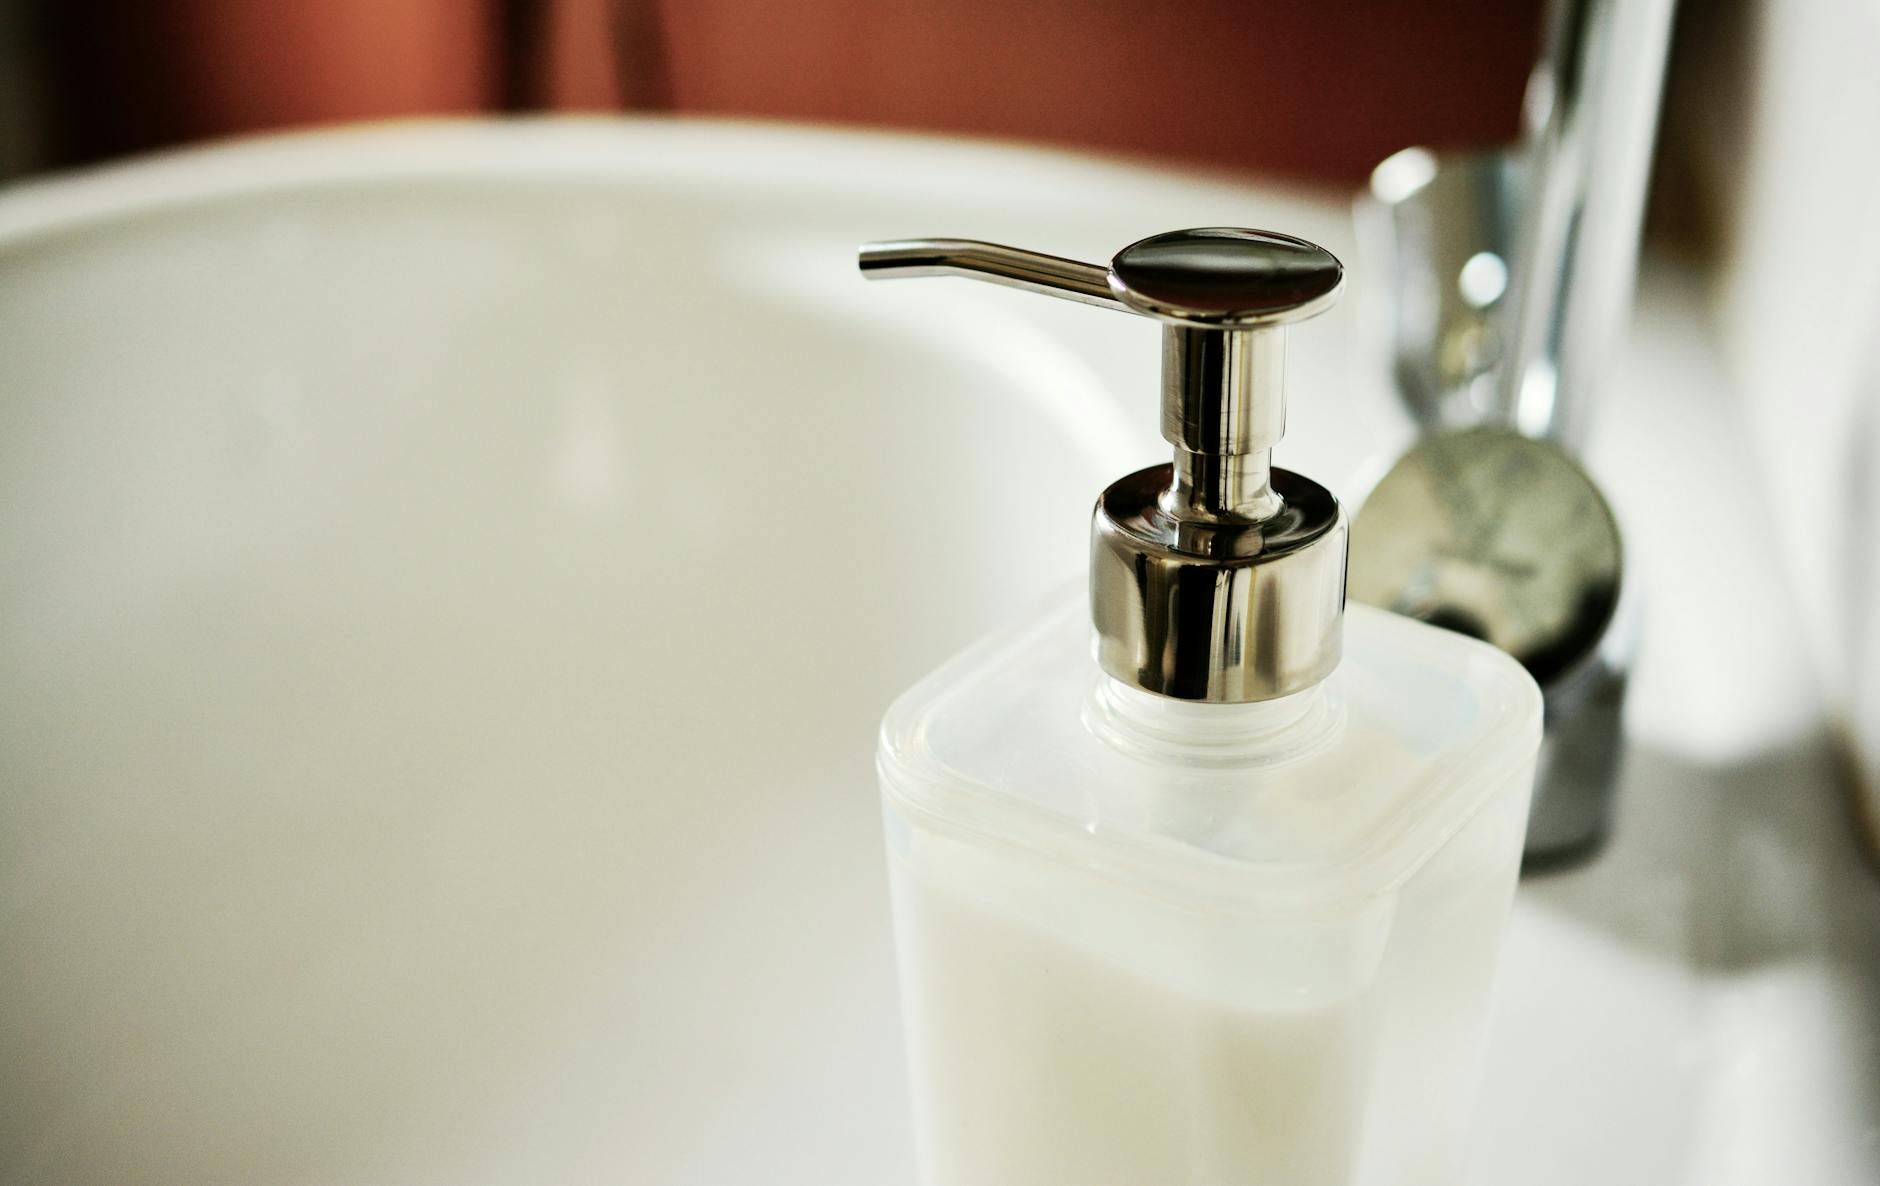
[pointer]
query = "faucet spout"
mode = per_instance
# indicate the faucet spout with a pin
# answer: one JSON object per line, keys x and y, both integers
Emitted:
{"x": 1591, "y": 116}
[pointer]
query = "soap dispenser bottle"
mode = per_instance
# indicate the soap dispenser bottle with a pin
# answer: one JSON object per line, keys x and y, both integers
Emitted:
{"x": 1201, "y": 883}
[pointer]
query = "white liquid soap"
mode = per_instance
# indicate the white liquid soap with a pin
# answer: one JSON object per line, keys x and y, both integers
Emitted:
{"x": 1198, "y": 882}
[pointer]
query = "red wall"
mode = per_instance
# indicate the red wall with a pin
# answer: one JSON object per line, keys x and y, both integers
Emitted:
{"x": 1312, "y": 89}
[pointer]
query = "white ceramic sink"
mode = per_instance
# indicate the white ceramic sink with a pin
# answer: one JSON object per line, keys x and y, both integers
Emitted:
{"x": 449, "y": 576}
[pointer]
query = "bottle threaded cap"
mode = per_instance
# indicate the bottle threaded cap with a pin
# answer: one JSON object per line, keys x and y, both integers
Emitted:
{"x": 1217, "y": 610}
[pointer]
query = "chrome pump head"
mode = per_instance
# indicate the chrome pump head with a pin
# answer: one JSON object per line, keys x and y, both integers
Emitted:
{"x": 1217, "y": 577}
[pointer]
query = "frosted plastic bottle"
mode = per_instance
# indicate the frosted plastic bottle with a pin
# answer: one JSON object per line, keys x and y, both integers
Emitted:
{"x": 1199, "y": 882}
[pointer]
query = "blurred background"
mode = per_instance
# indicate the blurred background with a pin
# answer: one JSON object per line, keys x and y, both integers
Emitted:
{"x": 1765, "y": 164}
{"x": 1318, "y": 91}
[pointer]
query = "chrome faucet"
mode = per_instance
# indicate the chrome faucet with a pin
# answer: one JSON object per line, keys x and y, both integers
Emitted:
{"x": 1508, "y": 279}
{"x": 1591, "y": 115}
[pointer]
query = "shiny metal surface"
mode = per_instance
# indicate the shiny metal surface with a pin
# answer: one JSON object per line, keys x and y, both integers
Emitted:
{"x": 1226, "y": 277}
{"x": 1209, "y": 381}
{"x": 1498, "y": 536}
{"x": 1508, "y": 273}
{"x": 1504, "y": 537}
{"x": 1032, "y": 271}
{"x": 1591, "y": 116}
{"x": 1215, "y": 577}
{"x": 1437, "y": 232}
{"x": 1226, "y": 610}
{"x": 1578, "y": 764}
{"x": 1508, "y": 278}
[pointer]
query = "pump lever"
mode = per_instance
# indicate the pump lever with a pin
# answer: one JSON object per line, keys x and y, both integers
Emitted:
{"x": 1218, "y": 278}
{"x": 994, "y": 263}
